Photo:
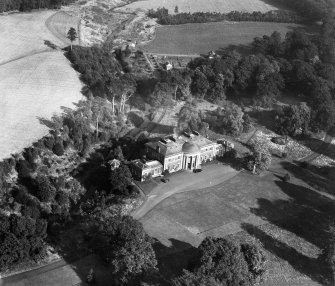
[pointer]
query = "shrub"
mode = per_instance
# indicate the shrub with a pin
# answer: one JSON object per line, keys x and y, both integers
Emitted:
{"x": 31, "y": 210}
{"x": 278, "y": 140}
{"x": 166, "y": 173}
{"x": 59, "y": 182}
{"x": 58, "y": 148}
{"x": 56, "y": 209}
{"x": 7, "y": 165}
{"x": 132, "y": 190}
{"x": 20, "y": 194}
{"x": 304, "y": 165}
{"x": 45, "y": 191}
{"x": 223, "y": 261}
{"x": 49, "y": 142}
{"x": 62, "y": 198}
{"x": 127, "y": 247}
{"x": 231, "y": 154}
{"x": 30, "y": 154}
{"x": 23, "y": 168}
{"x": 120, "y": 179}
{"x": 286, "y": 178}
{"x": 256, "y": 260}
{"x": 21, "y": 238}
{"x": 247, "y": 124}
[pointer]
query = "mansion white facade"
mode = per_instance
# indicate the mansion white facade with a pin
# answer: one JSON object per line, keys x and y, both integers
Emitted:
{"x": 186, "y": 152}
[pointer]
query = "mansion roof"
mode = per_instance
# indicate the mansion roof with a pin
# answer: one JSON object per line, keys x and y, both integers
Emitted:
{"x": 143, "y": 165}
{"x": 187, "y": 143}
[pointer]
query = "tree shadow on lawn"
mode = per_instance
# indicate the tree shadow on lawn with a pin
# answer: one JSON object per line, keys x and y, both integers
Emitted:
{"x": 317, "y": 182}
{"x": 241, "y": 49}
{"x": 318, "y": 146}
{"x": 314, "y": 268}
{"x": 172, "y": 260}
{"x": 307, "y": 214}
{"x": 265, "y": 118}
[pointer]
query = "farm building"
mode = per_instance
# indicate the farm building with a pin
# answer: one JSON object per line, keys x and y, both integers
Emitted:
{"x": 167, "y": 66}
{"x": 186, "y": 152}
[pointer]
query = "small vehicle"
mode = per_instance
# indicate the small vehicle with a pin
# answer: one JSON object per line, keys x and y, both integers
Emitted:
{"x": 197, "y": 170}
{"x": 164, "y": 180}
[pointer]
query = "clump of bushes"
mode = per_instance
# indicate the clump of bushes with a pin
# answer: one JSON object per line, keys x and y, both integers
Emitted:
{"x": 278, "y": 140}
{"x": 58, "y": 148}
{"x": 44, "y": 190}
{"x": 256, "y": 260}
{"x": 23, "y": 169}
{"x": 21, "y": 239}
{"x": 231, "y": 154}
{"x": 223, "y": 262}
{"x": 287, "y": 177}
{"x": 258, "y": 161}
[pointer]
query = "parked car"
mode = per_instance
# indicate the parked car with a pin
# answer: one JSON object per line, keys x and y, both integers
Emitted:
{"x": 197, "y": 170}
{"x": 164, "y": 180}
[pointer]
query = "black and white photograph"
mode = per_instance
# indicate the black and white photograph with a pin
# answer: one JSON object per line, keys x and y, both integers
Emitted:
{"x": 167, "y": 142}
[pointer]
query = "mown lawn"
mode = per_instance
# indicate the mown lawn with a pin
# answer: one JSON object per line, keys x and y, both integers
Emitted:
{"x": 288, "y": 218}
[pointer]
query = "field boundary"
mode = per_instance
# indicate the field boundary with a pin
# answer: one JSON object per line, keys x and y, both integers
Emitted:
{"x": 46, "y": 50}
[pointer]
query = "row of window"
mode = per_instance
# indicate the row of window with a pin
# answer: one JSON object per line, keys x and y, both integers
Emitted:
{"x": 173, "y": 158}
{"x": 207, "y": 149}
{"x": 154, "y": 172}
{"x": 174, "y": 167}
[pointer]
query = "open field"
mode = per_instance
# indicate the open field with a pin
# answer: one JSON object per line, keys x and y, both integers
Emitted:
{"x": 223, "y": 6}
{"x": 247, "y": 208}
{"x": 24, "y": 34}
{"x": 60, "y": 23}
{"x": 201, "y": 38}
{"x": 36, "y": 80}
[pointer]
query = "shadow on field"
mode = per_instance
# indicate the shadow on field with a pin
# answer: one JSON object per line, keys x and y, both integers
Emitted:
{"x": 264, "y": 118}
{"x": 312, "y": 267}
{"x": 318, "y": 182}
{"x": 50, "y": 45}
{"x": 241, "y": 49}
{"x": 306, "y": 214}
{"x": 172, "y": 260}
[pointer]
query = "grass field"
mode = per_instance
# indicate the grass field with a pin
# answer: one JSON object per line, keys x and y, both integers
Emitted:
{"x": 223, "y": 6}
{"x": 60, "y": 23}
{"x": 36, "y": 80}
{"x": 201, "y": 38}
{"x": 287, "y": 218}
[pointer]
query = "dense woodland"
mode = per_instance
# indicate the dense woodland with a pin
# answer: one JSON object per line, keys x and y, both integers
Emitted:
{"x": 280, "y": 16}
{"x": 28, "y": 5}
{"x": 314, "y": 10}
{"x": 299, "y": 64}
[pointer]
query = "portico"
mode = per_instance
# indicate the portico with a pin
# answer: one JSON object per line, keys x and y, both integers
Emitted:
{"x": 191, "y": 158}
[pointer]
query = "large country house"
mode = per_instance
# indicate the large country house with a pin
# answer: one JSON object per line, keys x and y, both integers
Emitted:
{"x": 185, "y": 152}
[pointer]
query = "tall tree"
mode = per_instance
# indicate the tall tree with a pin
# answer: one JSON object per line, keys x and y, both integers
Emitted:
{"x": 125, "y": 244}
{"x": 72, "y": 35}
